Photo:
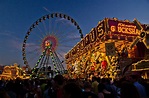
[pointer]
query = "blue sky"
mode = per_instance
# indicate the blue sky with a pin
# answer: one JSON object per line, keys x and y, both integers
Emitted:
{"x": 16, "y": 16}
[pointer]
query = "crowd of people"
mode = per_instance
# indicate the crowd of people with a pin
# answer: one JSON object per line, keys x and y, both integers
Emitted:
{"x": 130, "y": 86}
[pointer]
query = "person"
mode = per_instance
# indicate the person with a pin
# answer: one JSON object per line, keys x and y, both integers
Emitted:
{"x": 95, "y": 85}
{"x": 104, "y": 88}
{"x": 47, "y": 93}
{"x": 10, "y": 91}
{"x": 141, "y": 89}
{"x": 101, "y": 88}
{"x": 57, "y": 89}
{"x": 72, "y": 90}
{"x": 134, "y": 77}
{"x": 111, "y": 88}
{"x": 87, "y": 93}
{"x": 128, "y": 90}
{"x": 3, "y": 93}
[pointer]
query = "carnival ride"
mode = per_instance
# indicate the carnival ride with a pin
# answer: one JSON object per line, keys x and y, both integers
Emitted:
{"x": 12, "y": 72}
{"x": 47, "y": 41}
{"x": 109, "y": 49}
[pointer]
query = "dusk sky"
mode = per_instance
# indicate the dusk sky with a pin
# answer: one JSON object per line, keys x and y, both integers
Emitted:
{"x": 16, "y": 16}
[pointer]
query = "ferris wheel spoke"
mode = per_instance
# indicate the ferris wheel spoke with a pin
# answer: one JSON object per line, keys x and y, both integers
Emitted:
{"x": 32, "y": 45}
{"x": 55, "y": 28}
{"x": 67, "y": 25}
{"x": 69, "y": 34}
{"x": 60, "y": 55}
{"x": 64, "y": 27}
{"x": 43, "y": 34}
{"x": 34, "y": 41}
{"x": 63, "y": 51}
{"x": 57, "y": 31}
{"x": 71, "y": 39}
{"x": 36, "y": 32}
{"x": 45, "y": 28}
{"x": 33, "y": 59}
{"x": 63, "y": 34}
{"x": 49, "y": 27}
{"x": 34, "y": 52}
{"x": 30, "y": 52}
{"x": 69, "y": 42}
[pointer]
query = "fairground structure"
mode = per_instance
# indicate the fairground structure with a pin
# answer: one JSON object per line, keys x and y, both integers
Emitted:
{"x": 111, "y": 49}
{"x": 11, "y": 72}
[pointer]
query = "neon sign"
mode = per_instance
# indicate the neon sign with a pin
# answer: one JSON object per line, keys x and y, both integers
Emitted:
{"x": 106, "y": 29}
{"x": 119, "y": 27}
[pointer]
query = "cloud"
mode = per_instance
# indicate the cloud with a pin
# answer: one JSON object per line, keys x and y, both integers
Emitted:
{"x": 8, "y": 39}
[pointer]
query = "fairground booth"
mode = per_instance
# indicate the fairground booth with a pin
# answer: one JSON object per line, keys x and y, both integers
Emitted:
{"x": 111, "y": 49}
{"x": 11, "y": 72}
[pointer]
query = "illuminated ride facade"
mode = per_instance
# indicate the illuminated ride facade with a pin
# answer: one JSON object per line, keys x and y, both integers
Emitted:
{"x": 109, "y": 49}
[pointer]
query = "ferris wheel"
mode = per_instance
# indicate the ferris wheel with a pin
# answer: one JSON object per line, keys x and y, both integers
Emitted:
{"x": 52, "y": 35}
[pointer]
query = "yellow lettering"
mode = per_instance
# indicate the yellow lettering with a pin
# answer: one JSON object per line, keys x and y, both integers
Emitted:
{"x": 92, "y": 36}
{"x": 113, "y": 28}
{"x": 123, "y": 28}
{"x": 119, "y": 29}
{"x": 86, "y": 40}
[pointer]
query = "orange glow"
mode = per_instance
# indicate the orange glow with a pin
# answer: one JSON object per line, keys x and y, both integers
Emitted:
{"x": 113, "y": 28}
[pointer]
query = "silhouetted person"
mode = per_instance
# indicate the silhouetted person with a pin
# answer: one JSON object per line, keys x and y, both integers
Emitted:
{"x": 72, "y": 90}
{"x": 57, "y": 86}
{"x": 88, "y": 91}
{"x": 128, "y": 90}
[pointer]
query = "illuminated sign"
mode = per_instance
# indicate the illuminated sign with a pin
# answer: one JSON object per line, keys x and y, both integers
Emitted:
{"x": 92, "y": 35}
{"x": 86, "y": 43}
{"x": 111, "y": 29}
{"x": 122, "y": 27}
